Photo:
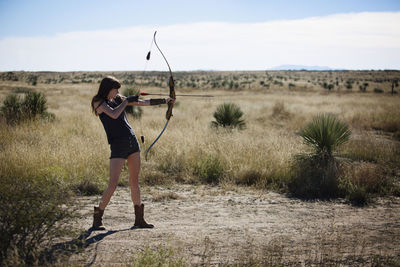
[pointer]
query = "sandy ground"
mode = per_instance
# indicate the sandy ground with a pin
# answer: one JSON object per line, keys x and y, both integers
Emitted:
{"x": 213, "y": 225}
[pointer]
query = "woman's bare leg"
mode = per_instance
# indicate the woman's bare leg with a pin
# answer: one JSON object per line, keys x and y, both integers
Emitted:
{"x": 116, "y": 165}
{"x": 134, "y": 169}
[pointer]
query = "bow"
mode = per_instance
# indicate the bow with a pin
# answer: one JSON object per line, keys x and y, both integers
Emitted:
{"x": 171, "y": 85}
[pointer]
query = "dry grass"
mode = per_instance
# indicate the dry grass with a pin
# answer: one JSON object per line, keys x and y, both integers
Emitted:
{"x": 74, "y": 147}
{"x": 374, "y": 148}
{"x": 330, "y": 248}
{"x": 165, "y": 196}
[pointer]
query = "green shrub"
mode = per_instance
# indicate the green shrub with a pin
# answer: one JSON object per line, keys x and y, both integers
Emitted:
{"x": 362, "y": 88}
{"x": 329, "y": 86}
{"x": 12, "y": 109}
{"x": 32, "y": 79}
{"x": 209, "y": 169}
{"x": 228, "y": 115}
{"x": 349, "y": 84}
{"x": 135, "y": 111}
{"x": 32, "y": 213}
{"x": 33, "y": 106}
{"x": 378, "y": 90}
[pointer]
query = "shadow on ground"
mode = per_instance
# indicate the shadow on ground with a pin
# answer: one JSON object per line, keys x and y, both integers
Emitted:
{"x": 77, "y": 245}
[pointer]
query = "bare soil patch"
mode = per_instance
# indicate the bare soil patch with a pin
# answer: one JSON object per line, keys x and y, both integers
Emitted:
{"x": 213, "y": 225}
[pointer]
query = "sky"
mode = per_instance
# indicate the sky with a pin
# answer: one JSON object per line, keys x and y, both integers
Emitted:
{"x": 99, "y": 35}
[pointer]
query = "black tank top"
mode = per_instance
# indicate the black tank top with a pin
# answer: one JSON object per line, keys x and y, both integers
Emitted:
{"x": 118, "y": 128}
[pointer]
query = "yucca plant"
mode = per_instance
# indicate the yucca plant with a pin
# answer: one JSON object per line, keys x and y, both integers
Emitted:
{"x": 325, "y": 133}
{"x": 228, "y": 115}
{"x": 316, "y": 175}
{"x": 135, "y": 111}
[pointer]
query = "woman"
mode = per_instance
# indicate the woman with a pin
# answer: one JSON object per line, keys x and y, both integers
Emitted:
{"x": 109, "y": 106}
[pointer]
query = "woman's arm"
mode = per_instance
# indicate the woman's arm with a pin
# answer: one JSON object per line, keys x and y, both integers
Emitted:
{"x": 112, "y": 112}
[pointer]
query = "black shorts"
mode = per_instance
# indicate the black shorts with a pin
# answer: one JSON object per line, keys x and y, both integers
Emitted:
{"x": 124, "y": 147}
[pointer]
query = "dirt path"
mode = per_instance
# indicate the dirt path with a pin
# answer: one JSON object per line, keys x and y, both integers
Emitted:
{"x": 213, "y": 225}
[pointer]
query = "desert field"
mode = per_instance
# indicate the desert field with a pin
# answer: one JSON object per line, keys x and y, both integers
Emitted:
{"x": 217, "y": 196}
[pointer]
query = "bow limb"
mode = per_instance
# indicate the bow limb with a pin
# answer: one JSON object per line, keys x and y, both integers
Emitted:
{"x": 172, "y": 94}
{"x": 171, "y": 82}
{"x": 158, "y": 137}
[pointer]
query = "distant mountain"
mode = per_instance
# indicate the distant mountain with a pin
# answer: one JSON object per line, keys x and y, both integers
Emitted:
{"x": 300, "y": 67}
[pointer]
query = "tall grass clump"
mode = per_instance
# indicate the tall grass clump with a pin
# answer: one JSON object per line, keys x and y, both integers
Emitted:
{"x": 135, "y": 111}
{"x": 32, "y": 214}
{"x": 228, "y": 115}
{"x": 32, "y": 106}
{"x": 362, "y": 180}
{"x": 69, "y": 148}
{"x": 279, "y": 111}
{"x": 316, "y": 174}
{"x": 209, "y": 169}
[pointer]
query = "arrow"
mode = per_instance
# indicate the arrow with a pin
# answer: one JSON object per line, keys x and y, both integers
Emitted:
{"x": 176, "y": 95}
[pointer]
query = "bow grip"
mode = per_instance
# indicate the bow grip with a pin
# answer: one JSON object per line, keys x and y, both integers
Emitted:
{"x": 171, "y": 84}
{"x": 168, "y": 115}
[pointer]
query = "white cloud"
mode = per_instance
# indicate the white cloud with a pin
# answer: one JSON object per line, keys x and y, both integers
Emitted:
{"x": 353, "y": 41}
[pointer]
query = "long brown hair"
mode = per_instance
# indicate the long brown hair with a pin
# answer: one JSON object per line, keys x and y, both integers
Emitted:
{"x": 106, "y": 85}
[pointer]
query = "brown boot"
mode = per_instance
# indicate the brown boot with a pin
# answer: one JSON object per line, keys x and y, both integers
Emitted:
{"x": 139, "y": 220}
{"x": 97, "y": 219}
